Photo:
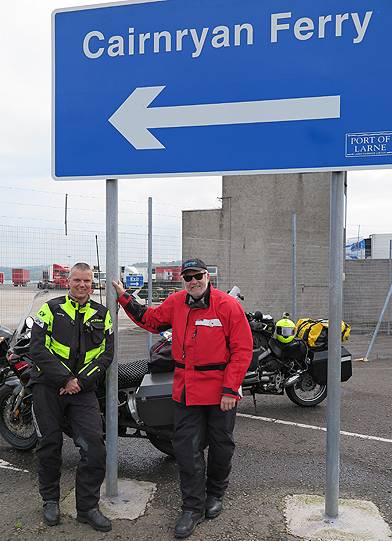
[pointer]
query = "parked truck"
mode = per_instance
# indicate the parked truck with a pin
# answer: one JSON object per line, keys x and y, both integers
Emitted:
{"x": 99, "y": 278}
{"x": 54, "y": 277}
{"x": 1, "y": 277}
{"x": 20, "y": 277}
{"x": 168, "y": 273}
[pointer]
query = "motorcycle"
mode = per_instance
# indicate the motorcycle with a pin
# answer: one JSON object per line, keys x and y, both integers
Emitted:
{"x": 145, "y": 407}
{"x": 293, "y": 368}
{"x": 135, "y": 384}
{"x": 5, "y": 339}
{"x": 16, "y": 420}
{"x": 145, "y": 386}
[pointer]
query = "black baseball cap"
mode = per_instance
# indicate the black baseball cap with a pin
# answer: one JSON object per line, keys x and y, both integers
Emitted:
{"x": 193, "y": 264}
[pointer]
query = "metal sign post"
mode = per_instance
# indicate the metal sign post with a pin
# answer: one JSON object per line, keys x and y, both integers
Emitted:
{"x": 112, "y": 273}
{"x": 336, "y": 254}
{"x": 149, "y": 297}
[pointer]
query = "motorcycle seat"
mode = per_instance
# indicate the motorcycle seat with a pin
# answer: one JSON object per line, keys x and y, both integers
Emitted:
{"x": 295, "y": 350}
{"x": 130, "y": 374}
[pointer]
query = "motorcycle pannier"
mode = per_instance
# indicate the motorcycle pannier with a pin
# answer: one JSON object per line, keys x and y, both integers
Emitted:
{"x": 319, "y": 366}
{"x": 315, "y": 332}
{"x": 154, "y": 400}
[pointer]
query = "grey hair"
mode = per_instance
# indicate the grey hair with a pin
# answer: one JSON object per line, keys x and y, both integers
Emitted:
{"x": 81, "y": 267}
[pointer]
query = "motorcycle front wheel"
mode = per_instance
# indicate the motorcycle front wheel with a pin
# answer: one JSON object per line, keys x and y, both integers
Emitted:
{"x": 18, "y": 430}
{"x": 306, "y": 392}
{"x": 162, "y": 444}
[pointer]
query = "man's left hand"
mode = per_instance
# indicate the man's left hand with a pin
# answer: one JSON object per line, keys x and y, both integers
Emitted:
{"x": 72, "y": 387}
{"x": 227, "y": 403}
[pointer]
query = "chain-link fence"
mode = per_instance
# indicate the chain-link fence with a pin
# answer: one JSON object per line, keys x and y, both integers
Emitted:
{"x": 35, "y": 259}
{"x": 264, "y": 271}
{"x": 261, "y": 267}
{"x": 366, "y": 288}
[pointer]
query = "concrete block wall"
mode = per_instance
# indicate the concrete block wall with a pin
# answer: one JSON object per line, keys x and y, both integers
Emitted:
{"x": 365, "y": 289}
{"x": 252, "y": 245}
{"x": 249, "y": 239}
{"x": 204, "y": 236}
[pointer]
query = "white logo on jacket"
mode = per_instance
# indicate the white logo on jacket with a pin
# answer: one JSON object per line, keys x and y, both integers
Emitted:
{"x": 39, "y": 322}
{"x": 208, "y": 322}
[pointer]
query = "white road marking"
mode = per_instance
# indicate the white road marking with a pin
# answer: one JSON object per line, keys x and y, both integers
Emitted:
{"x": 313, "y": 427}
{"x": 7, "y": 466}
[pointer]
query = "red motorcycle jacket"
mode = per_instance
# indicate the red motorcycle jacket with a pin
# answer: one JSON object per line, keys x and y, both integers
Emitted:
{"x": 212, "y": 345}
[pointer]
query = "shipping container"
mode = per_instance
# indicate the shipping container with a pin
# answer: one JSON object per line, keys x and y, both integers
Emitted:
{"x": 20, "y": 277}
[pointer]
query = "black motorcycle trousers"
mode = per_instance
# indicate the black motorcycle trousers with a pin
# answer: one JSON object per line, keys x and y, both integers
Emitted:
{"x": 194, "y": 428}
{"x": 79, "y": 415}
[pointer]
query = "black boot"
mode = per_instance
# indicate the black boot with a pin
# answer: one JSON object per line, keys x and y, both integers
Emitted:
{"x": 51, "y": 512}
{"x": 213, "y": 506}
{"x": 187, "y": 523}
{"x": 96, "y": 519}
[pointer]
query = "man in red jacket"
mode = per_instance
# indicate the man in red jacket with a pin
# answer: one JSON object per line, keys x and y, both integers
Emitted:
{"x": 212, "y": 349}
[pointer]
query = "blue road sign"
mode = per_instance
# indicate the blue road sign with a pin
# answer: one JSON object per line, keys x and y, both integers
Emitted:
{"x": 134, "y": 280}
{"x": 221, "y": 86}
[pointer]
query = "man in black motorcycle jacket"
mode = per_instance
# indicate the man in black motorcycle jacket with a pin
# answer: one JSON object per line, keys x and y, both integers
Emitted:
{"x": 72, "y": 345}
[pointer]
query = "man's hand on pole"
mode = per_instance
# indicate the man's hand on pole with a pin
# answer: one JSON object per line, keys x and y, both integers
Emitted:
{"x": 118, "y": 287}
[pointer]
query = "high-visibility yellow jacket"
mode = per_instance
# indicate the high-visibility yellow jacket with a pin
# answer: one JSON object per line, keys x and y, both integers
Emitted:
{"x": 71, "y": 341}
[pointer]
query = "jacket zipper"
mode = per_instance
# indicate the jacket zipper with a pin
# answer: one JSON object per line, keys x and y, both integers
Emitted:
{"x": 183, "y": 340}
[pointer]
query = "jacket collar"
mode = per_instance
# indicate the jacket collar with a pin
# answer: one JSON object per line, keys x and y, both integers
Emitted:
{"x": 75, "y": 304}
{"x": 203, "y": 302}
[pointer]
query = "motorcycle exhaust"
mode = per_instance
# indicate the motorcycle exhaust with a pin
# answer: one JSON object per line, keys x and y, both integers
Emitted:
{"x": 264, "y": 354}
{"x": 131, "y": 401}
{"x": 291, "y": 380}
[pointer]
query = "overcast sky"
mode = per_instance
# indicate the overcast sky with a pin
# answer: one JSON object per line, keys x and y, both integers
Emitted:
{"x": 30, "y": 197}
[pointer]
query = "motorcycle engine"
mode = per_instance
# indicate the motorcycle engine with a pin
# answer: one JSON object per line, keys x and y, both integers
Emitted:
{"x": 270, "y": 364}
{"x": 271, "y": 382}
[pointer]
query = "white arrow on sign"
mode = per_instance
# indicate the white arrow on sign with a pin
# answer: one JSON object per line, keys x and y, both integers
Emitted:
{"x": 134, "y": 117}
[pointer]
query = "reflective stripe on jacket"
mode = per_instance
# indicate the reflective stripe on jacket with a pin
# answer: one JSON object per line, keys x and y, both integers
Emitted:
{"x": 69, "y": 340}
{"x": 212, "y": 346}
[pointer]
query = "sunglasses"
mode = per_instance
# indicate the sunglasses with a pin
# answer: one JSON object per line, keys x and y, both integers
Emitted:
{"x": 198, "y": 276}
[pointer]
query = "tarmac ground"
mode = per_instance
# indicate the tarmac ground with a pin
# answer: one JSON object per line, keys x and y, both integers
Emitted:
{"x": 280, "y": 452}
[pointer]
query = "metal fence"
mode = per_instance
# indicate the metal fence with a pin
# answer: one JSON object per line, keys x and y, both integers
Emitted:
{"x": 35, "y": 249}
{"x": 263, "y": 271}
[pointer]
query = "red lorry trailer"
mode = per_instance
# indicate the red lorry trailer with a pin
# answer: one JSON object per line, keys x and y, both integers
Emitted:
{"x": 54, "y": 277}
{"x": 1, "y": 277}
{"x": 168, "y": 273}
{"x": 20, "y": 277}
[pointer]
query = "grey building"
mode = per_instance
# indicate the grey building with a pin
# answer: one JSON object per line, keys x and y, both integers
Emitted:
{"x": 250, "y": 240}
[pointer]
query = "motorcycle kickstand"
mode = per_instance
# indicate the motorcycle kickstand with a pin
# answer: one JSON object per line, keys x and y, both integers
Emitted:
{"x": 254, "y": 402}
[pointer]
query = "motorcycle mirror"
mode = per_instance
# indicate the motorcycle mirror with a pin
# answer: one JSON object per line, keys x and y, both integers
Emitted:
{"x": 236, "y": 293}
